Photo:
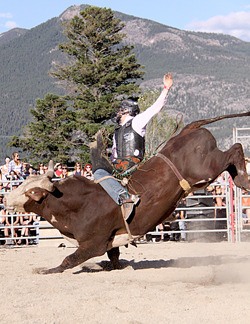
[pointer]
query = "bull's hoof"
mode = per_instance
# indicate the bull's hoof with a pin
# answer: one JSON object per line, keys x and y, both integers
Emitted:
{"x": 117, "y": 266}
{"x": 47, "y": 271}
{"x": 109, "y": 266}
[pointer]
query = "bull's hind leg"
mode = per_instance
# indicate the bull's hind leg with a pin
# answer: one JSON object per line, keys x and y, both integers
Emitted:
{"x": 79, "y": 256}
{"x": 237, "y": 166}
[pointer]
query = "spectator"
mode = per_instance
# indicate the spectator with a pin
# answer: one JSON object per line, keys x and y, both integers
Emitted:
{"x": 16, "y": 164}
{"x": 220, "y": 211}
{"x": 179, "y": 223}
{"x": 34, "y": 231}
{"x": 12, "y": 220}
{"x": 160, "y": 228}
{"x": 3, "y": 223}
{"x": 65, "y": 172}
{"x": 247, "y": 159}
{"x": 174, "y": 227}
{"x": 245, "y": 206}
{"x": 26, "y": 167}
{"x": 13, "y": 180}
{"x": 87, "y": 172}
{"x": 78, "y": 169}
{"x": 41, "y": 169}
{"x": 24, "y": 219}
{"x": 221, "y": 181}
{"x": 182, "y": 223}
{"x": 58, "y": 170}
{"x": 5, "y": 168}
{"x": 2, "y": 191}
{"x": 31, "y": 171}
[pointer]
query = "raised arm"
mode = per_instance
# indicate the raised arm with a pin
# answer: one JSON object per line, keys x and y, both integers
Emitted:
{"x": 140, "y": 121}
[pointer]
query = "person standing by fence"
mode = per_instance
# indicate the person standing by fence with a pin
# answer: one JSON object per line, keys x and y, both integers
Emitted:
{"x": 182, "y": 217}
{"x": 16, "y": 164}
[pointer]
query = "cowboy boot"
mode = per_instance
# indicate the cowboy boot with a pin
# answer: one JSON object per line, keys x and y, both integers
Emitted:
{"x": 128, "y": 202}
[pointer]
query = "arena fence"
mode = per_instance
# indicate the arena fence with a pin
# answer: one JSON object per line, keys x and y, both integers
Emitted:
{"x": 200, "y": 221}
{"x": 242, "y": 232}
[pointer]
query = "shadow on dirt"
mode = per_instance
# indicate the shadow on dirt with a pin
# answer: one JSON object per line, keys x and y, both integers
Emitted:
{"x": 184, "y": 262}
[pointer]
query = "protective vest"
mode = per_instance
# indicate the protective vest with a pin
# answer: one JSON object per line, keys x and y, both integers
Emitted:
{"x": 128, "y": 142}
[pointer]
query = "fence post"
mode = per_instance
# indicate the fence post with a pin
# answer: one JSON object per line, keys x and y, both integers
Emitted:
{"x": 232, "y": 211}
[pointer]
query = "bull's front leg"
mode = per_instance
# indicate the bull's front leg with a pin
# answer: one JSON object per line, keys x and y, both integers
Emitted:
{"x": 79, "y": 256}
{"x": 113, "y": 255}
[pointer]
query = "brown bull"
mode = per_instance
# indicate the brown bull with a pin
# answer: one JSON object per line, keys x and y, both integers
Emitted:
{"x": 83, "y": 211}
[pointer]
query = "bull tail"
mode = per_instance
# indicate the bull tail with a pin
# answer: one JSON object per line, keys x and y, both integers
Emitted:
{"x": 203, "y": 122}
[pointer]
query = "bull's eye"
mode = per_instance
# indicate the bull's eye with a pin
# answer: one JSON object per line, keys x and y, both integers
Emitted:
{"x": 33, "y": 192}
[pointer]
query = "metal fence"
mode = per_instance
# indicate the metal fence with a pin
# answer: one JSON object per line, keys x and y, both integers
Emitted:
{"x": 242, "y": 224}
{"x": 12, "y": 230}
{"x": 200, "y": 221}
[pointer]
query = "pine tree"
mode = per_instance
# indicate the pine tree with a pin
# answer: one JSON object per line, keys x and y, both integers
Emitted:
{"x": 51, "y": 134}
{"x": 102, "y": 70}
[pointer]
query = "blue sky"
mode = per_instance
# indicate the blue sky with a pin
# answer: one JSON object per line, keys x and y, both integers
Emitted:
{"x": 222, "y": 16}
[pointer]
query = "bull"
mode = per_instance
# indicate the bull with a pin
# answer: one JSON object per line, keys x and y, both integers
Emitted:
{"x": 81, "y": 210}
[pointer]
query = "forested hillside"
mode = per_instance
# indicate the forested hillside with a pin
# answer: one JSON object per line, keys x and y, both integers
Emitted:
{"x": 211, "y": 71}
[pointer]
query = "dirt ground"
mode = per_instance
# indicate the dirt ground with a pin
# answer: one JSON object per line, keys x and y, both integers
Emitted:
{"x": 159, "y": 283}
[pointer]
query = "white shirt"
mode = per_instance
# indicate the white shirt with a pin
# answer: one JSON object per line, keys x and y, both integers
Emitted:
{"x": 141, "y": 120}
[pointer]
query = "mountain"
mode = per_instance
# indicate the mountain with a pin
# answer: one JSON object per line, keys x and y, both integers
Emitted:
{"x": 211, "y": 71}
{"x": 12, "y": 34}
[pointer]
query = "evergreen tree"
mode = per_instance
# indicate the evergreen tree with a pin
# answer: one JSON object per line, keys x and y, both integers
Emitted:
{"x": 51, "y": 134}
{"x": 102, "y": 70}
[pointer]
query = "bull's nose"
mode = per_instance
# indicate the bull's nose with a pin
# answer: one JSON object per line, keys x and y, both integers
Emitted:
{"x": 9, "y": 208}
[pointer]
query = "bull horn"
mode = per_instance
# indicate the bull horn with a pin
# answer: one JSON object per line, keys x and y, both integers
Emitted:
{"x": 50, "y": 172}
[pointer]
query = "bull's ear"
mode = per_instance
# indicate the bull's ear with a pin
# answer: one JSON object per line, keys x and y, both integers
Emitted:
{"x": 36, "y": 193}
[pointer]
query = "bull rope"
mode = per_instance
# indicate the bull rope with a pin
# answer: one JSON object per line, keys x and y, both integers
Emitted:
{"x": 103, "y": 178}
{"x": 183, "y": 182}
{"x": 123, "y": 182}
{"x": 131, "y": 239}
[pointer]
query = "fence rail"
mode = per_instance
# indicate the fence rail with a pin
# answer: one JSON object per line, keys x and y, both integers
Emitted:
{"x": 201, "y": 215}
